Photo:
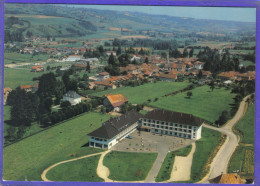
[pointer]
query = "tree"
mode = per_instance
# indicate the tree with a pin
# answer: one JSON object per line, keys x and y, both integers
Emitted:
{"x": 47, "y": 84}
{"x": 111, "y": 59}
{"x": 65, "y": 104}
{"x": 88, "y": 67}
{"x": 146, "y": 60}
{"x": 189, "y": 94}
{"x": 212, "y": 85}
{"x": 85, "y": 78}
{"x": 118, "y": 52}
{"x": 191, "y": 53}
{"x": 185, "y": 53}
{"x": 200, "y": 74}
{"x": 48, "y": 68}
{"x": 223, "y": 118}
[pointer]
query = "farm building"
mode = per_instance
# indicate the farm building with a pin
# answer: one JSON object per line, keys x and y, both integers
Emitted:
{"x": 113, "y": 102}
{"x": 74, "y": 58}
{"x": 114, "y": 130}
{"x": 72, "y": 97}
{"x": 157, "y": 121}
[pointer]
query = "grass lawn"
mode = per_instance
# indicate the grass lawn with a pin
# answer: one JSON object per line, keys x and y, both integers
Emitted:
{"x": 166, "y": 168}
{"x": 10, "y": 57}
{"x": 204, "y": 147}
{"x": 247, "y": 126}
{"x": 203, "y": 103}
{"x": 141, "y": 94}
{"x": 29, "y": 157}
{"x": 16, "y": 77}
{"x": 129, "y": 166}
{"x": 79, "y": 170}
{"x": 143, "y": 112}
{"x": 244, "y": 157}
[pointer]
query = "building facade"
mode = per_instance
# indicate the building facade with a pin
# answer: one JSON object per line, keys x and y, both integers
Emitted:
{"x": 172, "y": 123}
{"x": 114, "y": 130}
{"x": 72, "y": 97}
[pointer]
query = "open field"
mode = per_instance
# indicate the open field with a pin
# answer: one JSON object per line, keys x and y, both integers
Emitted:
{"x": 142, "y": 93}
{"x": 10, "y": 57}
{"x": 166, "y": 168}
{"x": 16, "y": 77}
{"x": 244, "y": 158}
{"x": 204, "y": 147}
{"x": 203, "y": 103}
{"x": 80, "y": 170}
{"x": 247, "y": 126}
{"x": 29, "y": 157}
{"x": 129, "y": 166}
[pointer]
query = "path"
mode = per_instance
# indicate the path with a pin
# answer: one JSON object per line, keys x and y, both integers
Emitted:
{"x": 43, "y": 175}
{"x": 182, "y": 166}
{"x": 219, "y": 164}
{"x": 102, "y": 170}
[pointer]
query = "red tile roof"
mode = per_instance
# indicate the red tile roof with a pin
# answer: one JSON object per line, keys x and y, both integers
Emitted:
{"x": 116, "y": 100}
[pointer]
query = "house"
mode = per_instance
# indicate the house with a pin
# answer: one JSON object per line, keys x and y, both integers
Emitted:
{"x": 104, "y": 85}
{"x": 172, "y": 123}
{"x": 37, "y": 68}
{"x": 102, "y": 76}
{"x": 27, "y": 88}
{"x": 198, "y": 65}
{"x": 72, "y": 97}
{"x": 114, "y": 130}
{"x": 73, "y": 58}
{"x": 35, "y": 87}
{"x": 232, "y": 75}
{"x": 232, "y": 178}
{"x": 172, "y": 76}
{"x": 113, "y": 102}
{"x": 108, "y": 53}
{"x": 7, "y": 90}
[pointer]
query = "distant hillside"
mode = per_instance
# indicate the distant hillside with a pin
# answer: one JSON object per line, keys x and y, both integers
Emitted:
{"x": 62, "y": 21}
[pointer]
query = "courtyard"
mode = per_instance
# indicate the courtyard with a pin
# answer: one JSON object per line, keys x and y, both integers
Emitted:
{"x": 149, "y": 142}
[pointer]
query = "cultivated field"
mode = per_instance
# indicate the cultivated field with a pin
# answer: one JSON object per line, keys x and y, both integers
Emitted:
{"x": 129, "y": 166}
{"x": 203, "y": 103}
{"x": 142, "y": 93}
{"x": 29, "y": 157}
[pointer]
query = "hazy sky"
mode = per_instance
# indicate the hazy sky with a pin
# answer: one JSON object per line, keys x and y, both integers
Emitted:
{"x": 218, "y": 13}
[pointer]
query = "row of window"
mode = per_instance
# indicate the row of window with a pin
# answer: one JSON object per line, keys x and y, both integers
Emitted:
{"x": 170, "y": 128}
{"x": 174, "y": 133}
{"x": 166, "y": 123}
{"x": 98, "y": 139}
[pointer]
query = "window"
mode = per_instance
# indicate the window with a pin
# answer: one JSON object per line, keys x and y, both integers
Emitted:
{"x": 149, "y": 120}
{"x": 175, "y": 133}
{"x": 171, "y": 124}
{"x": 162, "y": 122}
{"x": 144, "y": 119}
{"x": 153, "y": 121}
{"x": 149, "y": 125}
{"x": 157, "y": 126}
{"x": 180, "y": 129}
{"x": 162, "y": 127}
{"x": 145, "y": 124}
{"x": 170, "y": 128}
{"x": 189, "y": 127}
{"x": 185, "y": 130}
{"x": 156, "y": 130}
{"x": 157, "y": 122}
{"x": 166, "y": 123}
{"x": 180, "y": 125}
{"x": 176, "y": 129}
{"x": 166, "y": 127}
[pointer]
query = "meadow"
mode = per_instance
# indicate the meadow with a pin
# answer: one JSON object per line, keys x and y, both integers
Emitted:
{"x": 29, "y": 157}
{"x": 142, "y": 93}
{"x": 14, "y": 57}
{"x": 16, "y": 77}
{"x": 204, "y": 147}
{"x": 129, "y": 166}
{"x": 80, "y": 170}
{"x": 204, "y": 103}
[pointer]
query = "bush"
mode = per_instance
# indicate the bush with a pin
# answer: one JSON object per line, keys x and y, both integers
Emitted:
{"x": 65, "y": 104}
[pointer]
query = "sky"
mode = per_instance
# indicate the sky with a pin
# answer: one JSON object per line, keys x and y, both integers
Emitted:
{"x": 217, "y": 13}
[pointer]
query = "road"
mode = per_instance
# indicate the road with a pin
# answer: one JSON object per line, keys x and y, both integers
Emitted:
{"x": 219, "y": 164}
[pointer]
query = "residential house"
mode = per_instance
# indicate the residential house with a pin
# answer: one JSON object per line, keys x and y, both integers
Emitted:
{"x": 74, "y": 58}
{"x": 102, "y": 76}
{"x": 198, "y": 65}
{"x": 232, "y": 178}
{"x": 37, "y": 68}
{"x": 114, "y": 102}
{"x": 27, "y": 88}
{"x": 104, "y": 85}
{"x": 72, "y": 97}
{"x": 114, "y": 130}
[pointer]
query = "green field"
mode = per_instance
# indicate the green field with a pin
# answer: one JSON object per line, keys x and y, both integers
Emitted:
{"x": 32, "y": 155}
{"x": 166, "y": 168}
{"x": 14, "y": 57}
{"x": 16, "y": 77}
{"x": 129, "y": 166}
{"x": 204, "y": 147}
{"x": 79, "y": 170}
{"x": 204, "y": 103}
{"x": 244, "y": 158}
{"x": 142, "y": 93}
{"x": 247, "y": 126}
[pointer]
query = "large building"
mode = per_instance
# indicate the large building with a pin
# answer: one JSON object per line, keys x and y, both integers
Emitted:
{"x": 172, "y": 123}
{"x": 114, "y": 130}
{"x": 157, "y": 121}
{"x": 72, "y": 97}
{"x": 114, "y": 102}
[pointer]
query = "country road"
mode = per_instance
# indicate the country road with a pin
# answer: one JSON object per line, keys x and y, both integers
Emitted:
{"x": 219, "y": 164}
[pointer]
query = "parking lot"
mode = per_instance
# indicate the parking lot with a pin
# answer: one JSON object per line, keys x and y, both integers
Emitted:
{"x": 149, "y": 142}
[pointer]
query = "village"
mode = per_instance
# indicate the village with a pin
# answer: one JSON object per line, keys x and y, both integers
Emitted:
{"x": 137, "y": 108}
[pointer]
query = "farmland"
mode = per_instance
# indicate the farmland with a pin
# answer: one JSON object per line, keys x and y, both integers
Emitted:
{"x": 129, "y": 166}
{"x": 204, "y": 103}
{"x": 32, "y": 155}
{"x": 14, "y": 57}
{"x": 142, "y": 93}
{"x": 80, "y": 170}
